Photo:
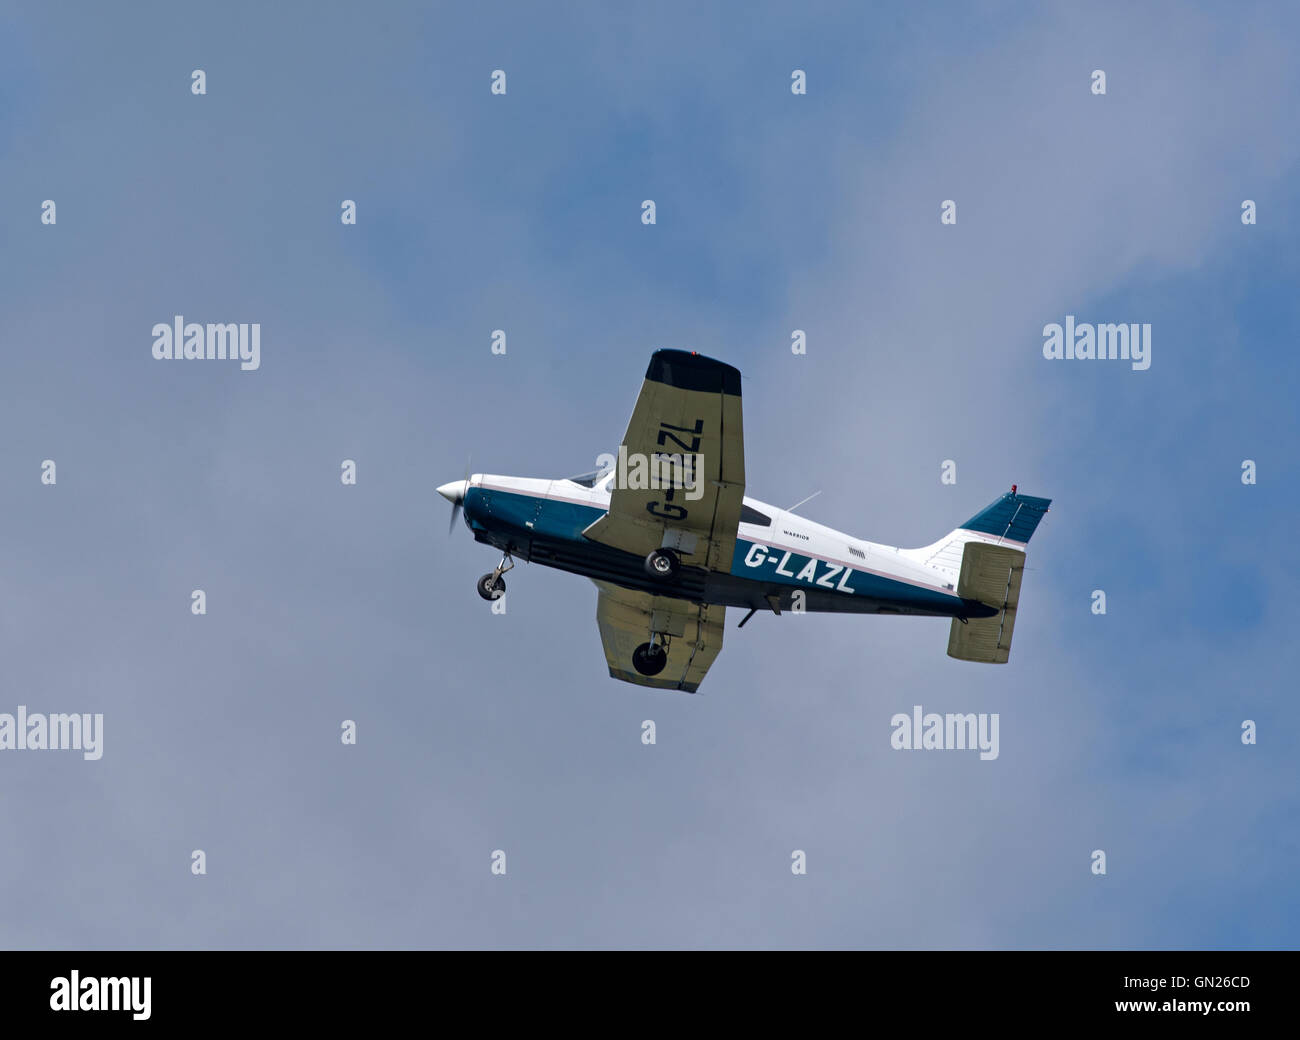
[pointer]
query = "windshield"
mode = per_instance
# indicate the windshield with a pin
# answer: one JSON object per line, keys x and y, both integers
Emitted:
{"x": 596, "y": 476}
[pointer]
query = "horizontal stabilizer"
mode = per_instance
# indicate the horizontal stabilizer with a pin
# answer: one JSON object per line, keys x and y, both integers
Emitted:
{"x": 991, "y": 575}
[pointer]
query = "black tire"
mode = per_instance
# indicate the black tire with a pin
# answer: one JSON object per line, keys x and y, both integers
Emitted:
{"x": 662, "y": 564}
{"x": 488, "y": 590}
{"x": 649, "y": 660}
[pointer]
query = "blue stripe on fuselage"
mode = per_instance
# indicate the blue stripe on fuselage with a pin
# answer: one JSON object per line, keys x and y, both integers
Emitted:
{"x": 529, "y": 514}
{"x": 761, "y": 562}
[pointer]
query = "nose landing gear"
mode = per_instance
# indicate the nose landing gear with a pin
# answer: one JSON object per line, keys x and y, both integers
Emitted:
{"x": 493, "y": 586}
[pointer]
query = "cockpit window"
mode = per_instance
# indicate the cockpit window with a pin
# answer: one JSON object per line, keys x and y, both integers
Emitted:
{"x": 585, "y": 479}
{"x": 749, "y": 515}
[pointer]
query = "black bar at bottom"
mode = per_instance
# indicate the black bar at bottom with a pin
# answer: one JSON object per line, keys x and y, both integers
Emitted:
{"x": 339, "y": 989}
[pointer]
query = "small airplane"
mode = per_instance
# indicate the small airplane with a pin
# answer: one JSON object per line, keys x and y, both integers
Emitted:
{"x": 670, "y": 540}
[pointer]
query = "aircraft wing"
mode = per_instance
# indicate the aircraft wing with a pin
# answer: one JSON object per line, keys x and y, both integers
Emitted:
{"x": 689, "y": 407}
{"x": 626, "y": 619}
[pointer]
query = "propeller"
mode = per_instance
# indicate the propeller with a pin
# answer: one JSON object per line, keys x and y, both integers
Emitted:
{"x": 454, "y": 492}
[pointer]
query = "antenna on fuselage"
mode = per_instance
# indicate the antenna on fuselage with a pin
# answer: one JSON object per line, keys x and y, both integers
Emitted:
{"x": 802, "y": 501}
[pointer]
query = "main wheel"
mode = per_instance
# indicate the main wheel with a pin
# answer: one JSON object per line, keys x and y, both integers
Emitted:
{"x": 662, "y": 564}
{"x": 649, "y": 660}
{"x": 489, "y": 589}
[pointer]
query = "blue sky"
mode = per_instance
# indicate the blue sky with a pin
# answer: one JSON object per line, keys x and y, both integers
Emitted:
{"x": 775, "y": 212}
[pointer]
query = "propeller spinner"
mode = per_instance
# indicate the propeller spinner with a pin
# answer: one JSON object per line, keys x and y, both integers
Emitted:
{"x": 454, "y": 492}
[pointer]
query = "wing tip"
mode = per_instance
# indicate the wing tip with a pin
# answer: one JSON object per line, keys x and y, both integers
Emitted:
{"x": 687, "y": 370}
{"x": 636, "y": 679}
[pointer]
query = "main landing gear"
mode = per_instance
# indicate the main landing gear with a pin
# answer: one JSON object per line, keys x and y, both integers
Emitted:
{"x": 493, "y": 586}
{"x": 662, "y": 564}
{"x": 650, "y": 658}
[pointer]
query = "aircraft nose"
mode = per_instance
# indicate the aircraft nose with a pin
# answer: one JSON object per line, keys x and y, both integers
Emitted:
{"x": 454, "y": 492}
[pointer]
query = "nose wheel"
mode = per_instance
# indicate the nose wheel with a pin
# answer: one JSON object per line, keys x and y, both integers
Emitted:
{"x": 493, "y": 586}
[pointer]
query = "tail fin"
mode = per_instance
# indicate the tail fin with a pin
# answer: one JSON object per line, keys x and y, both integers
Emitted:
{"x": 984, "y": 559}
{"x": 1013, "y": 518}
{"x": 1010, "y": 521}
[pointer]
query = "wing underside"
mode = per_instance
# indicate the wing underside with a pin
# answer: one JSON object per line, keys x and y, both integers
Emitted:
{"x": 686, "y": 435}
{"x": 626, "y": 619}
